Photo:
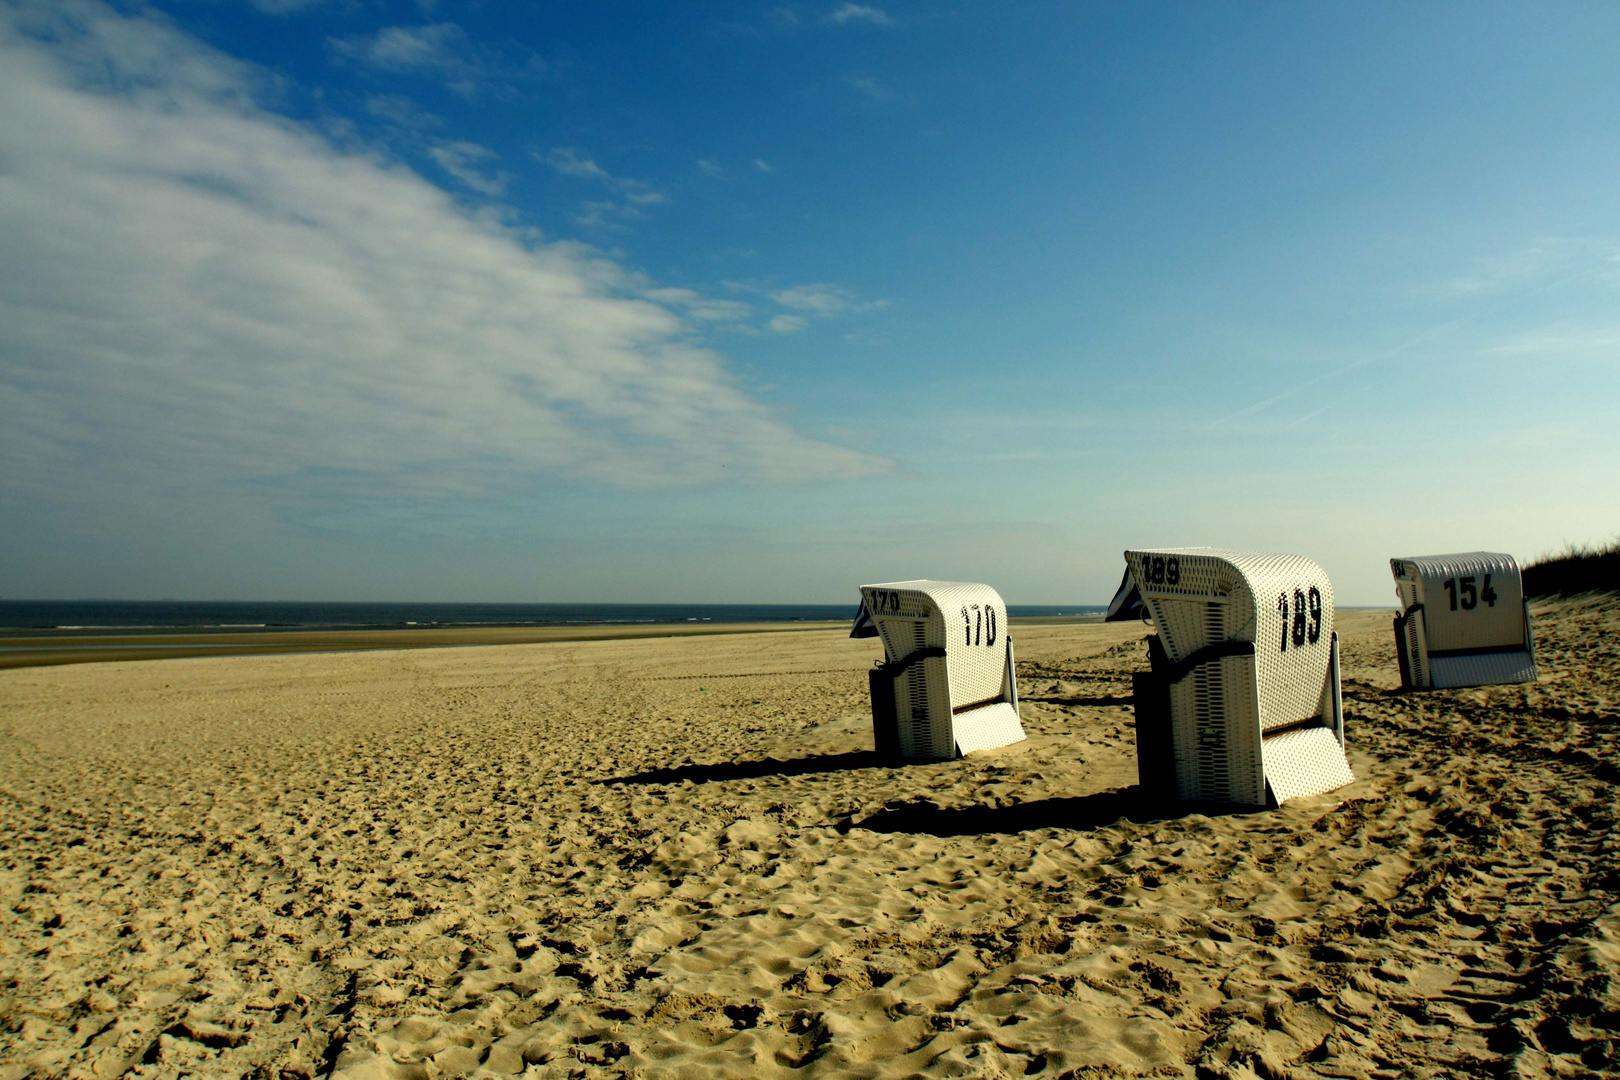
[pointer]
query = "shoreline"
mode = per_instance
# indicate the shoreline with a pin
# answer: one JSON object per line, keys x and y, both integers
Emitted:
{"x": 52, "y": 648}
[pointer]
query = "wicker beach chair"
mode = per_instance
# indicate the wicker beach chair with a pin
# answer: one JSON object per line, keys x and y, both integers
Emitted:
{"x": 946, "y": 686}
{"x": 1242, "y": 701}
{"x": 1464, "y": 621}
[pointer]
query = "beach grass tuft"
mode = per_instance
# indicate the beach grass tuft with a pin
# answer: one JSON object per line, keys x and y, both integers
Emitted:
{"x": 1578, "y": 568}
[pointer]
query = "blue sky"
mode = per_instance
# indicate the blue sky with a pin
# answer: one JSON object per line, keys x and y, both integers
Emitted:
{"x": 760, "y": 302}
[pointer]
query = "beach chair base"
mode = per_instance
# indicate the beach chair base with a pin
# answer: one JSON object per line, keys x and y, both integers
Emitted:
{"x": 1482, "y": 670}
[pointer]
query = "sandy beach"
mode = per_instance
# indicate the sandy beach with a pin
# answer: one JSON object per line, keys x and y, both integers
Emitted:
{"x": 678, "y": 857}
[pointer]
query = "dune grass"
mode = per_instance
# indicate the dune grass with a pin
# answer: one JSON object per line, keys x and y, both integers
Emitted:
{"x": 1579, "y": 568}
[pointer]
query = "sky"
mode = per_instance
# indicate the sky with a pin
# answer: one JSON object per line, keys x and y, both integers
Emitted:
{"x": 738, "y": 302}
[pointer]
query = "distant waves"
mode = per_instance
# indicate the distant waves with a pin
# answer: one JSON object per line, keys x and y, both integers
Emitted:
{"x": 248, "y": 615}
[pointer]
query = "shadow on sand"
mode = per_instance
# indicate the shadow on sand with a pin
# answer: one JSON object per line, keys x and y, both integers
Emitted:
{"x": 1084, "y": 812}
{"x": 754, "y": 770}
{"x": 1103, "y": 702}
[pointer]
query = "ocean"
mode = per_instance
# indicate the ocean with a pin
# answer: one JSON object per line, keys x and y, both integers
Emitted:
{"x": 246, "y": 616}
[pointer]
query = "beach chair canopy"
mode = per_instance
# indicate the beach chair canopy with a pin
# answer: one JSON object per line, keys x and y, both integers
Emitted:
{"x": 1464, "y": 621}
{"x": 946, "y": 686}
{"x": 1245, "y": 669}
{"x": 1127, "y": 601}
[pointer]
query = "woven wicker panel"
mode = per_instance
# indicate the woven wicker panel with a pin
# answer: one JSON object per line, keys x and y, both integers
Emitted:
{"x": 922, "y": 702}
{"x": 1306, "y": 762}
{"x": 1217, "y": 743}
{"x": 1509, "y": 667}
{"x": 986, "y": 728}
{"x": 970, "y": 622}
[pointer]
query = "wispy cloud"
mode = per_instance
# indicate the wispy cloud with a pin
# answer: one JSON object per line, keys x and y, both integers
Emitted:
{"x": 763, "y": 166}
{"x": 1560, "y": 340}
{"x": 1547, "y": 259}
{"x": 859, "y": 14}
{"x": 821, "y": 299}
{"x": 709, "y": 168}
{"x": 824, "y": 299}
{"x": 1496, "y": 285}
{"x": 441, "y": 50}
{"x": 700, "y": 307}
{"x": 460, "y": 160}
{"x": 401, "y": 110}
{"x": 199, "y": 292}
{"x": 868, "y": 87}
{"x": 635, "y": 193}
{"x": 803, "y": 303}
{"x": 570, "y": 163}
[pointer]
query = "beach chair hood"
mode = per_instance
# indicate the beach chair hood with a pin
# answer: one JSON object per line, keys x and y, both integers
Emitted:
{"x": 946, "y": 686}
{"x": 1464, "y": 621}
{"x": 1248, "y": 662}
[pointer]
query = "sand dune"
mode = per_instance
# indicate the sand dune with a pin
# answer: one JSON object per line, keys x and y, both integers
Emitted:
{"x": 679, "y": 858}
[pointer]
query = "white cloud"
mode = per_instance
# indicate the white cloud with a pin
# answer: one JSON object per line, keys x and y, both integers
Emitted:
{"x": 198, "y": 292}
{"x": 822, "y": 299}
{"x": 825, "y": 299}
{"x": 442, "y": 50}
{"x": 1544, "y": 262}
{"x": 602, "y": 213}
{"x": 860, "y": 13}
{"x": 700, "y": 307}
{"x": 709, "y": 168}
{"x": 571, "y": 162}
{"x": 403, "y": 111}
{"x": 434, "y": 47}
{"x": 459, "y": 160}
{"x": 763, "y": 166}
{"x": 1561, "y": 341}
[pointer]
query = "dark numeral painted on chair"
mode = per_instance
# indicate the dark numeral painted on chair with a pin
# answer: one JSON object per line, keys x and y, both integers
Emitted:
{"x": 979, "y": 624}
{"x": 1469, "y": 593}
{"x": 1305, "y": 628}
{"x": 1159, "y": 570}
{"x": 885, "y": 601}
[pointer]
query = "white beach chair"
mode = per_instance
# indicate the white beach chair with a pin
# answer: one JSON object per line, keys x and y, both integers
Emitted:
{"x": 1244, "y": 692}
{"x": 1464, "y": 621}
{"x": 947, "y": 685}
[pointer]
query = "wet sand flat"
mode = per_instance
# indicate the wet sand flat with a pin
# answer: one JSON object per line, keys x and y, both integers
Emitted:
{"x": 678, "y": 858}
{"x": 41, "y": 649}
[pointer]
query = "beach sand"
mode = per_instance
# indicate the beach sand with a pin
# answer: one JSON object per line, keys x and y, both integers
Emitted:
{"x": 678, "y": 858}
{"x": 40, "y": 648}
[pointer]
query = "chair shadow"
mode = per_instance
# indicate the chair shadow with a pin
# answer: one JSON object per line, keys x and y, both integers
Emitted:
{"x": 1081, "y": 813}
{"x": 754, "y": 770}
{"x": 1094, "y": 702}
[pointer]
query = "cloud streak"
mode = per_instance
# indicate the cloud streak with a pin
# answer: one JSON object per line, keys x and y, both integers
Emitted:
{"x": 197, "y": 291}
{"x": 602, "y": 212}
{"x": 461, "y": 160}
{"x": 825, "y": 300}
{"x": 436, "y": 50}
{"x": 1497, "y": 285}
{"x": 849, "y": 14}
